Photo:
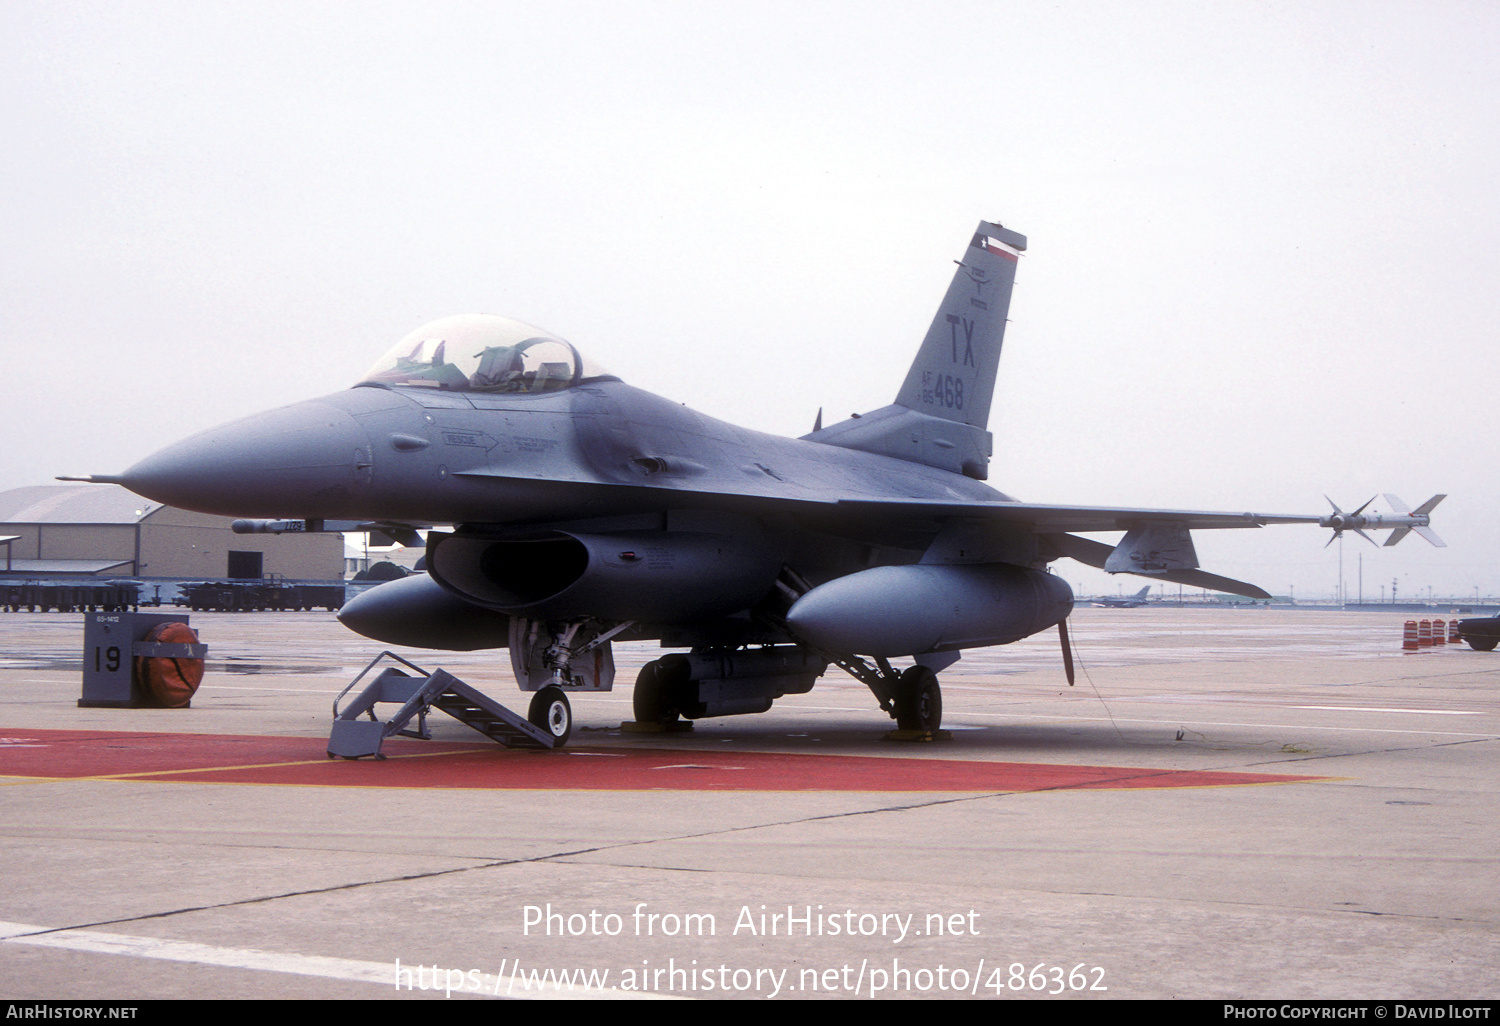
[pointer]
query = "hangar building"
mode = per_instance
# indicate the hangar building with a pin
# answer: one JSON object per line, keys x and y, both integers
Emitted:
{"x": 106, "y": 531}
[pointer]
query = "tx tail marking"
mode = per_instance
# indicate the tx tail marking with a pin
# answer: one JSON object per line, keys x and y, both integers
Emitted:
{"x": 953, "y": 322}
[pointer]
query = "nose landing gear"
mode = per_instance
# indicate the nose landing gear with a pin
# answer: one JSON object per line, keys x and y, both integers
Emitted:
{"x": 550, "y": 711}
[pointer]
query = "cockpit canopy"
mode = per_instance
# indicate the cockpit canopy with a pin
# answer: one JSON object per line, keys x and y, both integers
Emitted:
{"x": 483, "y": 353}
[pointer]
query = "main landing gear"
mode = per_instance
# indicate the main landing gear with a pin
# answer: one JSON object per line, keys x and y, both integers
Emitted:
{"x": 706, "y": 684}
{"x": 918, "y": 700}
{"x": 722, "y": 682}
{"x": 911, "y": 696}
{"x": 654, "y": 701}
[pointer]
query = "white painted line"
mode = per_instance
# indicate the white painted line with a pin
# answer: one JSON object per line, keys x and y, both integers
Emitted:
{"x": 353, "y": 970}
{"x": 1038, "y": 720}
{"x": 202, "y": 954}
{"x": 216, "y": 686}
{"x": 1360, "y": 708}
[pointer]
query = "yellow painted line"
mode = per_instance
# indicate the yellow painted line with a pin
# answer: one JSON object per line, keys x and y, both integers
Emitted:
{"x": 219, "y": 769}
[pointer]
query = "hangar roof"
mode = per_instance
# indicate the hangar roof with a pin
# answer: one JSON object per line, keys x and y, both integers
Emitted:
{"x": 74, "y": 504}
{"x": 64, "y": 566}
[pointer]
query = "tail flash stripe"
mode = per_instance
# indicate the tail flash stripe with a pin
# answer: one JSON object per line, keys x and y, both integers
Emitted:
{"x": 996, "y": 247}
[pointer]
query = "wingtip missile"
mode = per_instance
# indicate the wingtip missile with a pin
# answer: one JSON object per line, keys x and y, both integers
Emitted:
{"x": 1403, "y": 521}
{"x": 1341, "y": 522}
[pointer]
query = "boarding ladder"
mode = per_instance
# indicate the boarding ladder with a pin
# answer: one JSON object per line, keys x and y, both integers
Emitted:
{"x": 354, "y": 738}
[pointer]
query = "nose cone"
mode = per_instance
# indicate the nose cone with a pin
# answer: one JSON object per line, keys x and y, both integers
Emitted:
{"x": 307, "y": 460}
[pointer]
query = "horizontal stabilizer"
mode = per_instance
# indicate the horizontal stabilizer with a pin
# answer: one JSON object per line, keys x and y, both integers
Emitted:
{"x": 1213, "y": 582}
{"x": 1097, "y": 554}
{"x": 1153, "y": 548}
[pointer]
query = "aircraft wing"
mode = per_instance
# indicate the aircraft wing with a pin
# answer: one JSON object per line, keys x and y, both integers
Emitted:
{"x": 1047, "y": 519}
{"x": 1156, "y": 544}
{"x": 763, "y": 497}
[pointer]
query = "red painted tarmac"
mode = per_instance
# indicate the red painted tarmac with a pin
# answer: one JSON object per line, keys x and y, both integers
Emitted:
{"x": 236, "y": 759}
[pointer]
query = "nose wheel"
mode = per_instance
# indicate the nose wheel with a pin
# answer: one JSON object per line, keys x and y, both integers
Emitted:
{"x": 550, "y": 711}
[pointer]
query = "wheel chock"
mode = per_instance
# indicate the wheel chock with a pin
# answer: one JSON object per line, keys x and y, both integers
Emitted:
{"x": 918, "y": 735}
{"x": 639, "y": 727}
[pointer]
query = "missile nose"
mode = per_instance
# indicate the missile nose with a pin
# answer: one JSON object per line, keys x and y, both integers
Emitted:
{"x": 307, "y": 460}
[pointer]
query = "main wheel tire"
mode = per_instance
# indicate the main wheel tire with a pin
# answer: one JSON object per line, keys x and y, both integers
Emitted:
{"x": 1483, "y": 644}
{"x": 652, "y": 699}
{"x": 919, "y": 700}
{"x": 551, "y": 712}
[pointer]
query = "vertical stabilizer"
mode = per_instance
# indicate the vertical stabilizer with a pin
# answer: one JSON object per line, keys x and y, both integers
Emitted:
{"x": 953, "y": 376}
{"x": 940, "y": 414}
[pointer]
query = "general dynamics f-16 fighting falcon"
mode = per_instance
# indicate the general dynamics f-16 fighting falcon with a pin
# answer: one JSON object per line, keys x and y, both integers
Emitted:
{"x": 1124, "y": 601}
{"x": 582, "y": 510}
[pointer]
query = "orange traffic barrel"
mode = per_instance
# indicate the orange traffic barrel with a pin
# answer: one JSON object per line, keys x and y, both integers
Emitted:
{"x": 1409, "y": 641}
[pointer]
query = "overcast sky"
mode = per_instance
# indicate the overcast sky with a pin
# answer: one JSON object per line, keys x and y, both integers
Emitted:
{"x": 1263, "y": 255}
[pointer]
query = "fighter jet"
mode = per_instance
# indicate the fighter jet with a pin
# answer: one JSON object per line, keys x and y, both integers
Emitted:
{"x": 570, "y": 509}
{"x": 1123, "y": 602}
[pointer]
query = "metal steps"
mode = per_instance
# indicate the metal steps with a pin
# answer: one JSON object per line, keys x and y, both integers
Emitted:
{"x": 354, "y": 738}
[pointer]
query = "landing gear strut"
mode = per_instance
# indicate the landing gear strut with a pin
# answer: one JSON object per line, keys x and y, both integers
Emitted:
{"x": 912, "y": 697}
{"x": 572, "y": 653}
